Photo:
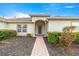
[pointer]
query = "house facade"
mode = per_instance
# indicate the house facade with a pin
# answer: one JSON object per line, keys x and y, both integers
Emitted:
{"x": 39, "y": 24}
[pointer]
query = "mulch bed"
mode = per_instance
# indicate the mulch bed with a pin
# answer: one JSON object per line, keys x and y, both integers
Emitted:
{"x": 55, "y": 50}
{"x": 18, "y": 46}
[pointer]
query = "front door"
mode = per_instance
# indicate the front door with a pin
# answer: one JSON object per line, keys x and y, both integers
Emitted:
{"x": 39, "y": 30}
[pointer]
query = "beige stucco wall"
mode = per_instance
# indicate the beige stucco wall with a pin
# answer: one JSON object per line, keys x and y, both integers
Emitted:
{"x": 57, "y": 25}
{"x": 12, "y": 26}
{"x": 76, "y": 23}
{"x": 30, "y": 28}
{"x": 2, "y": 25}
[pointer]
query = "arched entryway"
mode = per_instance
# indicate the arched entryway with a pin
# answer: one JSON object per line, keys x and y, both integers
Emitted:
{"x": 40, "y": 27}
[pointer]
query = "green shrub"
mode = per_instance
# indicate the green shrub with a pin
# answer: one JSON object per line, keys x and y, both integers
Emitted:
{"x": 5, "y": 34}
{"x": 29, "y": 35}
{"x": 76, "y": 36}
{"x": 53, "y": 37}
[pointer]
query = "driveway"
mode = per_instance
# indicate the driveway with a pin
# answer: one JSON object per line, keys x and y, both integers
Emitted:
{"x": 19, "y": 46}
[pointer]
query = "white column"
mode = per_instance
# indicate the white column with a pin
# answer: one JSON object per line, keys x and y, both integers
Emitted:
{"x": 45, "y": 28}
{"x": 34, "y": 30}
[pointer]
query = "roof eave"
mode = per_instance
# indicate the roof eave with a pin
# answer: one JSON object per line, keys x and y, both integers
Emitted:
{"x": 39, "y": 15}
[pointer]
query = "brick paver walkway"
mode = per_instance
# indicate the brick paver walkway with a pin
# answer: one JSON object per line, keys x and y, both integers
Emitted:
{"x": 39, "y": 48}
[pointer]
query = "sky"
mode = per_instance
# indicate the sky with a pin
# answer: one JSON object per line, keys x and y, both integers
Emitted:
{"x": 9, "y": 10}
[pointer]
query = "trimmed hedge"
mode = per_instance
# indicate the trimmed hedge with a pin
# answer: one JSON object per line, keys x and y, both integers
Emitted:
{"x": 76, "y": 37}
{"x": 53, "y": 37}
{"x": 5, "y": 34}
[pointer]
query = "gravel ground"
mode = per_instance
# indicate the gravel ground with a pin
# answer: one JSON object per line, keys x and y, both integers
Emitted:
{"x": 57, "y": 51}
{"x": 19, "y": 46}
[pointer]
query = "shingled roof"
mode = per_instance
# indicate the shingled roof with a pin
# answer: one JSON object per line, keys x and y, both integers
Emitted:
{"x": 63, "y": 18}
{"x": 19, "y": 20}
{"x": 39, "y": 15}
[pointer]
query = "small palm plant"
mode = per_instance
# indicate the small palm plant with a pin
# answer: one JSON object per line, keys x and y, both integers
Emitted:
{"x": 67, "y": 37}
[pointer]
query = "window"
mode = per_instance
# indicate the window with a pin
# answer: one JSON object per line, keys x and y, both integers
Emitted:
{"x": 22, "y": 28}
{"x": 19, "y": 28}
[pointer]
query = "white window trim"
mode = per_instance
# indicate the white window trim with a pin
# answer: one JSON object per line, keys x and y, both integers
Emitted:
{"x": 22, "y": 27}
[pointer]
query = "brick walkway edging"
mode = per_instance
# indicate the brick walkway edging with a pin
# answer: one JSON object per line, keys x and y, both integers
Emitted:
{"x": 39, "y": 48}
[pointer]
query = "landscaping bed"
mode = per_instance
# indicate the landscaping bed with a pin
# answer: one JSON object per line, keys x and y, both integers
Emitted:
{"x": 17, "y": 46}
{"x": 57, "y": 46}
{"x": 55, "y": 50}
